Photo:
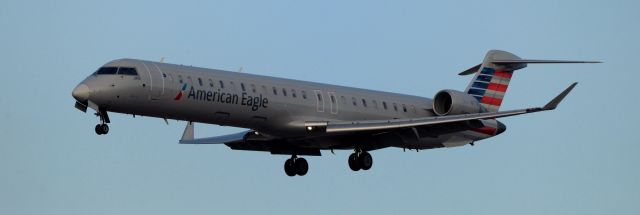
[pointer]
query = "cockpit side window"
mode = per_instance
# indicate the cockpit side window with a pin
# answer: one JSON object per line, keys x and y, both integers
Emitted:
{"x": 127, "y": 71}
{"x": 107, "y": 71}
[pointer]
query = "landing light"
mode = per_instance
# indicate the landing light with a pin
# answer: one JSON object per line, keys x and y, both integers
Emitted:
{"x": 309, "y": 128}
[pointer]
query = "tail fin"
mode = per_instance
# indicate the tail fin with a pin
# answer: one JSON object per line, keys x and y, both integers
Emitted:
{"x": 492, "y": 78}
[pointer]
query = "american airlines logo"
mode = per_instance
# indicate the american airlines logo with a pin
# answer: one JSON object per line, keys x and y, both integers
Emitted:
{"x": 255, "y": 102}
{"x": 181, "y": 93}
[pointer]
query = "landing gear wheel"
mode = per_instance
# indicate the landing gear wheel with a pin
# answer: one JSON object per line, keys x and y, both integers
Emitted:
{"x": 366, "y": 161}
{"x": 104, "y": 128}
{"x": 289, "y": 167}
{"x": 354, "y": 163}
{"x": 98, "y": 129}
{"x": 302, "y": 167}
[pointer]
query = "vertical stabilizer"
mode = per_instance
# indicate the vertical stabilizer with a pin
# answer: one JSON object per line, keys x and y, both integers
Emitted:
{"x": 491, "y": 80}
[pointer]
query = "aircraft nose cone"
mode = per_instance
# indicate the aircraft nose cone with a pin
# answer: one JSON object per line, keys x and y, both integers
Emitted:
{"x": 81, "y": 93}
{"x": 501, "y": 128}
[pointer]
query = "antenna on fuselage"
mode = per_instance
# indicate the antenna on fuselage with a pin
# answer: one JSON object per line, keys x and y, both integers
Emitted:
{"x": 240, "y": 70}
{"x": 162, "y": 60}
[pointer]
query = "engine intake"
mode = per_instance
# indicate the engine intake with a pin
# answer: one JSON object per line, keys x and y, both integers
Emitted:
{"x": 452, "y": 102}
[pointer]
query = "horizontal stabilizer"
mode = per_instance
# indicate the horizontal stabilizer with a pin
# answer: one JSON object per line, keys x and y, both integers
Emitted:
{"x": 471, "y": 70}
{"x": 505, "y": 61}
{"x": 539, "y": 61}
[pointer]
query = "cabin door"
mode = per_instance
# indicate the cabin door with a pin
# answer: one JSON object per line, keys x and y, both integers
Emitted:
{"x": 156, "y": 81}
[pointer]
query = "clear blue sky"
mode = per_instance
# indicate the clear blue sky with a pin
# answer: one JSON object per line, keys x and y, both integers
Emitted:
{"x": 580, "y": 159}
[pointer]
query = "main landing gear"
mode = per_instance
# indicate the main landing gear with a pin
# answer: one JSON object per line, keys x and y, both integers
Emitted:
{"x": 102, "y": 128}
{"x": 296, "y": 166}
{"x": 360, "y": 160}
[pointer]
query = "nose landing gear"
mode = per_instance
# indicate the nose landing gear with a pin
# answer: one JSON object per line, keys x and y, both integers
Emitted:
{"x": 102, "y": 128}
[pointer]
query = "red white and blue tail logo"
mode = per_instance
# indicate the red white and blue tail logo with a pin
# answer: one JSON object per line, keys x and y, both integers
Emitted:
{"x": 489, "y": 87}
{"x": 181, "y": 93}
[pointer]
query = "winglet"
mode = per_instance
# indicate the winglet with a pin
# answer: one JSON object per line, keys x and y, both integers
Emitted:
{"x": 555, "y": 101}
{"x": 188, "y": 133}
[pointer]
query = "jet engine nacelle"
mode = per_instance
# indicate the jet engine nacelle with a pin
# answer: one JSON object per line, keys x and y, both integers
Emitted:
{"x": 452, "y": 102}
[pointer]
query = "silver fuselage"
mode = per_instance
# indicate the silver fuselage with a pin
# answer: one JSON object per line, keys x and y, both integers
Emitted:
{"x": 275, "y": 106}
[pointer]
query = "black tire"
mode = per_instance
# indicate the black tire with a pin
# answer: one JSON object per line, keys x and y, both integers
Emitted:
{"x": 302, "y": 167}
{"x": 365, "y": 160}
{"x": 353, "y": 162}
{"x": 104, "y": 128}
{"x": 289, "y": 168}
{"x": 98, "y": 129}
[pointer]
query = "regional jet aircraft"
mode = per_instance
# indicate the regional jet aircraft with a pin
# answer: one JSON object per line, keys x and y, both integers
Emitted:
{"x": 299, "y": 118}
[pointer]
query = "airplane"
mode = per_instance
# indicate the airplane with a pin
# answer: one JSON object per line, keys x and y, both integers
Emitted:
{"x": 300, "y": 118}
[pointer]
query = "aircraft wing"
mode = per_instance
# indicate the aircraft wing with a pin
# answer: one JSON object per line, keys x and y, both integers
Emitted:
{"x": 255, "y": 141}
{"x": 373, "y": 125}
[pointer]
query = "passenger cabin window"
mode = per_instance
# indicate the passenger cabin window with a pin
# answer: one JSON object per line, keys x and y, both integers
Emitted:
{"x": 242, "y": 86}
{"x": 353, "y": 100}
{"x": 200, "y": 81}
{"x": 221, "y": 84}
{"x": 319, "y": 97}
{"x": 190, "y": 80}
{"x": 384, "y": 105}
{"x": 344, "y": 100}
{"x": 210, "y": 82}
{"x": 404, "y": 108}
{"x": 304, "y": 94}
{"x": 333, "y": 99}
{"x": 129, "y": 71}
{"x": 275, "y": 91}
{"x": 395, "y": 106}
{"x": 264, "y": 89}
{"x": 253, "y": 88}
{"x": 364, "y": 103}
{"x": 180, "y": 79}
{"x": 293, "y": 93}
{"x": 107, "y": 71}
{"x": 284, "y": 92}
{"x": 375, "y": 104}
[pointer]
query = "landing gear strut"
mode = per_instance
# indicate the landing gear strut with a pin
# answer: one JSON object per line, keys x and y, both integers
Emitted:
{"x": 360, "y": 160}
{"x": 102, "y": 128}
{"x": 296, "y": 166}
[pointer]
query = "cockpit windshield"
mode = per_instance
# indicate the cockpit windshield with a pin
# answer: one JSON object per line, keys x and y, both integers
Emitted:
{"x": 127, "y": 71}
{"x": 117, "y": 70}
{"x": 107, "y": 71}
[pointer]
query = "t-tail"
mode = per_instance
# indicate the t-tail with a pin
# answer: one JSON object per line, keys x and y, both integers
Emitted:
{"x": 492, "y": 77}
